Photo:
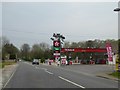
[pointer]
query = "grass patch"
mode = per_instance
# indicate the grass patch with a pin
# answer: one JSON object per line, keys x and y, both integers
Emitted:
{"x": 116, "y": 74}
{"x": 3, "y": 64}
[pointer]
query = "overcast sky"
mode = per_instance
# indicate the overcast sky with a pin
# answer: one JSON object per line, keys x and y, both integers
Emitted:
{"x": 35, "y": 22}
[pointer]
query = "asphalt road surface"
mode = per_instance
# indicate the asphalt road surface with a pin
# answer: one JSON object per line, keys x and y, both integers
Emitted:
{"x": 46, "y": 76}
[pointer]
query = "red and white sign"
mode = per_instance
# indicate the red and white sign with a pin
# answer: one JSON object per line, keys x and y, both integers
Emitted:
{"x": 63, "y": 60}
{"x": 56, "y": 43}
{"x": 69, "y": 50}
{"x": 83, "y": 50}
{"x": 109, "y": 51}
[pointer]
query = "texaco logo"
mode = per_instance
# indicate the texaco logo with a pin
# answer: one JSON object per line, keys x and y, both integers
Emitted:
{"x": 56, "y": 43}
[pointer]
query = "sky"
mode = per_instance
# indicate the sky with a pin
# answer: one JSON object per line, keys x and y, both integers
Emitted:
{"x": 35, "y": 22}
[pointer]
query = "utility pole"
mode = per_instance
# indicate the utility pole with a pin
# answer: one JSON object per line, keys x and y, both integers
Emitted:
{"x": 58, "y": 40}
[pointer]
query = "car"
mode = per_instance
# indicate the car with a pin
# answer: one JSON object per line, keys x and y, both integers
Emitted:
{"x": 35, "y": 61}
{"x": 84, "y": 61}
{"x": 100, "y": 61}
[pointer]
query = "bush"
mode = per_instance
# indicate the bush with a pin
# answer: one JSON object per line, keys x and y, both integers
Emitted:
{"x": 42, "y": 60}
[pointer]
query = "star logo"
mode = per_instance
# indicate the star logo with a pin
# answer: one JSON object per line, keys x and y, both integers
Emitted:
{"x": 56, "y": 44}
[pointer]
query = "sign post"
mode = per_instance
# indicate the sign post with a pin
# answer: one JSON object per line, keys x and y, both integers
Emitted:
{"x": 56, "y": 53}
{"x": 57, "y": 44}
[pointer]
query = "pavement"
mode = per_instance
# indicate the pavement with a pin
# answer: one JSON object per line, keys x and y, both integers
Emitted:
{"x": 7, "y": 71}
{"x": 107, "y": 76}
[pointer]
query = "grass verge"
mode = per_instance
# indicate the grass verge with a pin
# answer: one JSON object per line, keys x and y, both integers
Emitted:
{"x": 115, "y": 74}
{"x": 3, "y": 64}
{"x": 0, "y": 65}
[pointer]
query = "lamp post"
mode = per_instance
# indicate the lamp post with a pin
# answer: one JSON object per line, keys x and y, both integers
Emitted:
{"x": 117, "y": 9}
{"x": 118, "y": 58}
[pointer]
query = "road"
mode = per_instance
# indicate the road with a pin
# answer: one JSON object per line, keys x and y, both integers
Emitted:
{"x": 46, "y": 76}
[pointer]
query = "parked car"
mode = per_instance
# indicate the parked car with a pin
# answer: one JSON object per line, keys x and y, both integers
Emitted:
{"x": 84, "y": 62}
{"x": 100, "y": 61}
{"x": 35, "y": 61}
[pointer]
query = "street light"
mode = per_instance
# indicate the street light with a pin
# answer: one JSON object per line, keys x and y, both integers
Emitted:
{"x": 117, "y": 9}
{"x": 118, "y": 63}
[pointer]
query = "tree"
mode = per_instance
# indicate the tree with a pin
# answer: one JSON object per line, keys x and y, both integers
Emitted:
{"x": 9, "y": 51}
{"x": 66, "y": 44}
{"x": 36, "y": 51}
{"x": 74, "y": 45}
{"x": 40, "y": 51}
{"x": 114, "y": 44}
{"x": 25, "y": 51}
{"x": 81, "y": 44}
{"x": 44, "y": 46}
{"x": 89, "y": 44}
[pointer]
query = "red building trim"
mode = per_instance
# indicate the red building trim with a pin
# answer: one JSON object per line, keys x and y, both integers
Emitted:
{"x": 83, "y": 50}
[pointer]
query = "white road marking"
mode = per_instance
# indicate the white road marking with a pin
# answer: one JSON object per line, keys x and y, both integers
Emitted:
{"x": 9, "y": 78}
{"x": 36, "y": 67}
{"x": 48, "y": 72}
{"x": 43, "y": 69}
{"x": 71, "y": 82}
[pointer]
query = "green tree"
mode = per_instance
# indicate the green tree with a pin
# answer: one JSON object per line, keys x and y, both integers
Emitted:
{"x": 25, "y": 52}
{"x": 66, "y": 44}
{"x": 9, "y": 51}
{"x": 36, "y": 51}
{"x": 40, "y": 51}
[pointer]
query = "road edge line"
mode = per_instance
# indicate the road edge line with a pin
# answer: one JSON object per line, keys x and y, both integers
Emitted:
{"x": 10, "y": 78}
{"x": 71, "y": 82}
